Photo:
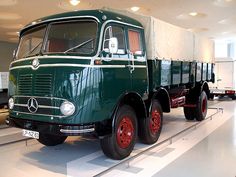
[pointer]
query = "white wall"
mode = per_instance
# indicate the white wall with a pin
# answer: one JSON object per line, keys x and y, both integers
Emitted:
{"x": 6, "y": 51}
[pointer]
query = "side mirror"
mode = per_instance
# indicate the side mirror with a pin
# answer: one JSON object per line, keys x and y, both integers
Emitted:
{"x": 113, "y": 45}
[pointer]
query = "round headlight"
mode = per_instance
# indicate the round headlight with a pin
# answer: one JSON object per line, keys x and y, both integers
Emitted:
{"x": 11, "y": 103}
{"x": 67, "y": 108}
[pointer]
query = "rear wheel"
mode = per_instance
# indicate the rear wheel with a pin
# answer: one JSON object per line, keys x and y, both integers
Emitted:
{"x": 150, "y": 128}
{"x": 211, "y": 96}
{"x": 201, "y": 107}
{"x": 189, "y": 113}
{"x": 121, "y": 142}
{"x": 51, "y": 140}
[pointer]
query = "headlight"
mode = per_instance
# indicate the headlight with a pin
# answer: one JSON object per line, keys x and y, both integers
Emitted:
{"x": 67, "y": 108}
{"x": 11, "y": 103}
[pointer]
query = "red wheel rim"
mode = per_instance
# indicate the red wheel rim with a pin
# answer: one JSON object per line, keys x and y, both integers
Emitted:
{"x": 204, "y": 105}
{"x": 125, "y": 132}
{"x": 155, "y": 122}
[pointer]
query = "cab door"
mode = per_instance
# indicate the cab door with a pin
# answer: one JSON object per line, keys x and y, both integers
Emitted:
{"x": 117, "y": 79}
{"x": 137, "y": 61}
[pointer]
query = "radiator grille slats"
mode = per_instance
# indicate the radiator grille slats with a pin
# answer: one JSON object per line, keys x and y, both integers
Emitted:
{"x": 43, "y": 84}
{"x": 38, "y": 84}
{"x": 25, "y": 84}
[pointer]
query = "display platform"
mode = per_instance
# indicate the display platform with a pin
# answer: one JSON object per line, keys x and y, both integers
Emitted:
{"x": 83, "y": 156}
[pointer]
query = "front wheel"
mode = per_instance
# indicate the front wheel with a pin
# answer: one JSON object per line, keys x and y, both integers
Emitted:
{"x": 121, "y": 142}
{"x": 150, "y": 128}
{"x": 51, "y": 140}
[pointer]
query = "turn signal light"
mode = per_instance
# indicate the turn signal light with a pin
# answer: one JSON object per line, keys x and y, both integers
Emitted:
{"x": 98, "y": 62}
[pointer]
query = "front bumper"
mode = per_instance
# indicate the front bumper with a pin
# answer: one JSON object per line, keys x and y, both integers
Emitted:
{"x": 50, "y": 128}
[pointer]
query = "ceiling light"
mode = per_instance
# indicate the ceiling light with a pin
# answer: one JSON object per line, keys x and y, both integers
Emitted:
{"x": 74, "y": 2}
{"x": 193, "y": 14}
{"x": 135, "y": 9}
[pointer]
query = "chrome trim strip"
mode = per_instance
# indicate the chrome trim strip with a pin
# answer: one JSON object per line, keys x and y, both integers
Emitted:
{"x": 62, "y": 18}
{"x": 77, "y": 57}
{"x": 40, "y": 106}
{"x": 51, "y": 56}
{"x": 77, "y": 131}
{"x": 77, "y": 65}
{"x": 137, "y": 66}
{"x": 22, "y": 96}
{"x": 48, "y": 115}
{"x": 123, "y": 23}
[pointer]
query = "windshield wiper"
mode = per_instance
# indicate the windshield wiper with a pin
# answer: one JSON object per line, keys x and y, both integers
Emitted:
{"x": 79, "y": 45}
{"x": 32, "y": 50}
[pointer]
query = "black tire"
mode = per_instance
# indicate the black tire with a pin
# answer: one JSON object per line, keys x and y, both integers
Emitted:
{"x": 122, "y": 140}
{"x": 51, "y": 140}
{"x": 211, "y": 96}
{"x": 201, "y": 107}
{"x": 189, "y": 113}
{"x": 233, "y": 97}
{"x": 150, "y": 128}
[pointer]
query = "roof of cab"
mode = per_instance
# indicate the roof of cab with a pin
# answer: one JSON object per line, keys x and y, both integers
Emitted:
{"x": 96, "y": 14}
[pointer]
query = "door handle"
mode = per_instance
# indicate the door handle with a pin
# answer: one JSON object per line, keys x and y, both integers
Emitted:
{"x": 131, "y": 67}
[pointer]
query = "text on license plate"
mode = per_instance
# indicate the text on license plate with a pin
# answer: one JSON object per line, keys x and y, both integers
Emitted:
{"x": 31, "y": 134}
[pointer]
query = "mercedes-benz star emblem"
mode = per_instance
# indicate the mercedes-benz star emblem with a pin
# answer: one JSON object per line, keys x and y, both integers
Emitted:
{"x": 32, "y": 105}
{"x": 35, "y": 63}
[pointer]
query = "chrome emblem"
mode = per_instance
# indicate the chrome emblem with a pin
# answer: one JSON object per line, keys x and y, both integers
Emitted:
{"x": 32, "y": 105}
{"x": 35, "y": 63}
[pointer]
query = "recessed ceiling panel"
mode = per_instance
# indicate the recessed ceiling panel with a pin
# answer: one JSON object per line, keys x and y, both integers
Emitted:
{"x": 8, "y": 2}
{"x": 12, "y": 26}
{"x": 9, "y": 16}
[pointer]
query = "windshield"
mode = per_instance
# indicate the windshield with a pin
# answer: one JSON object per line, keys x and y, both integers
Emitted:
{"x": 72, "y": 37}
{"x": 76, "y": 37}
{"x": 31, "y": 42}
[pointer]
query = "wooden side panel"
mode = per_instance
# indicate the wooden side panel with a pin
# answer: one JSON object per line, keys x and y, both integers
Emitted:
{"x": 176, "y": 72}
{"x": 185, "y": 72}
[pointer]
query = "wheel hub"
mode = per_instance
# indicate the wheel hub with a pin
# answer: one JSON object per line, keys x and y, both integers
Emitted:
{"x": 125, "y": 132}
{"x": 155, "y": 122}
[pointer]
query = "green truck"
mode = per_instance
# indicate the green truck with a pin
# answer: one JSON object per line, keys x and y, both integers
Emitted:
{"x": 108, "y": 74}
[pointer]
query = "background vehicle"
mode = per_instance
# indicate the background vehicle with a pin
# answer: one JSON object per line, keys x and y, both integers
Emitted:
{"x": 225, "y": 79}
{"x": 3, "y": 88}
{"x": 106, "y": 73}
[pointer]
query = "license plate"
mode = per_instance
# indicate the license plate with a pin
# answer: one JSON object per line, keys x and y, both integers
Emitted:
{"x": 31, "y": 134}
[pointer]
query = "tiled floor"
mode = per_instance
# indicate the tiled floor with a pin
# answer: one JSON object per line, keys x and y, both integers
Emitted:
{"x": 209, "y": 150}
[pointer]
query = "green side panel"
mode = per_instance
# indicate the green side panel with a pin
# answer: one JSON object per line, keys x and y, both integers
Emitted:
{"x": 165, "y": 72}
{"x": 199, "y": 72}
{"x": 176, "y": 72}
{"x": 204, "y": 71}
{"x": 154, "y": 73}
{"x": 185, "y": 72}
{"x": 209, "y": 71}
{"x": 139, "y": 80}
{"x": 193, "y": 66}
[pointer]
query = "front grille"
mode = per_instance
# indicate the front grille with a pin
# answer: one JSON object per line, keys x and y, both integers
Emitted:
{"x": 25, "y": 84}
{"x": 43, "y": 84}
{"x": 38, "y": 84}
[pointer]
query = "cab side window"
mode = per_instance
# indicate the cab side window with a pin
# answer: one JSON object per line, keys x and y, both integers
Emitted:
{"x": 135, "y": 44}
{"x": 117, "y": 32}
